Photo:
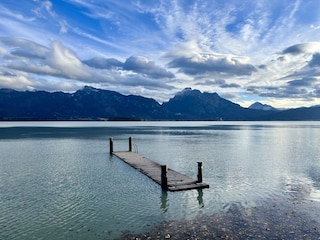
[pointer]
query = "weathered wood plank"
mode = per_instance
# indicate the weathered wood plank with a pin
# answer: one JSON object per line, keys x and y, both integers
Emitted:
{"x": 176, "y": 180}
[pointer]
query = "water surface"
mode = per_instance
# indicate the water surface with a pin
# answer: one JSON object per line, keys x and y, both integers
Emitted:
{"x": 58, "y": 180}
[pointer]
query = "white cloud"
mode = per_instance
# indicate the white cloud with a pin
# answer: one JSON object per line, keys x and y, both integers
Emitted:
{"x": 66, "y": 62}
{"x": 15, "y": 15}
{"x": 97, "y": 39}
{"x": 44, "y": 9}
{"x": 56, "y": 60}
{"x": 20, "y": 82}
{"x": 216, "y": 64}
{"x": 25, "y": 48}
{"x": 315, "y": 61}
{"x": 303, "y": 48}
{"x": 63, "y": 26}
{"x": 104, "y": 63}
{"x": 143, "y": 65}
{"x": 35, "y": 58}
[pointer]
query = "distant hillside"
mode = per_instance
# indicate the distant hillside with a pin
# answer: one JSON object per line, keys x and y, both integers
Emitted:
{"x": 194, "y": 105}
{"x": 297, "y": 114}
{"x": 260, "y": 106}
{"x": 96, "y": 104}
{"x": 86, "y": 104}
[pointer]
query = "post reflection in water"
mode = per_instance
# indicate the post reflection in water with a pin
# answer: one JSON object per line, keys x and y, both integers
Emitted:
{"x": 200, "y": 198}
{"x": 165, "y": 202}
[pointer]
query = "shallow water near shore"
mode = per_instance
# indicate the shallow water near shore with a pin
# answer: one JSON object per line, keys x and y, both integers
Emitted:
{"x": 58, "y": 180}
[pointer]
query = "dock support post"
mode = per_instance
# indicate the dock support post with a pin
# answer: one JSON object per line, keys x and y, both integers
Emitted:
{"x": 130, "y": 144}
{"x": 111, "y": 145}
{"x": 164, "y": 178}
{"x": 199, "y": 172}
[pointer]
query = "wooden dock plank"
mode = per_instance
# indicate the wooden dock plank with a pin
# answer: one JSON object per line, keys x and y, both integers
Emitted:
{"x": 176, "y": 180}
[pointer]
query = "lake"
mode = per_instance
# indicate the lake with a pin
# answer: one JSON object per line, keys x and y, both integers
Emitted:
{"x": 58, "y": 180}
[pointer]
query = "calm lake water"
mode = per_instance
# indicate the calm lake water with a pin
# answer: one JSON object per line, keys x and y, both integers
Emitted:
{"x": 58, "y": 180}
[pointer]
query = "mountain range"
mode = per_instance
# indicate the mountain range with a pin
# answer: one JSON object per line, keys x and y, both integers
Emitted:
{"x": 96, "y": 104}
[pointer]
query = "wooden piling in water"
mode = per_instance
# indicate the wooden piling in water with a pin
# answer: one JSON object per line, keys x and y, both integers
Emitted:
{"x": 199, "y": 172}
{"x": 164, "y": 177}
{"x": 111, "y": 145}
{"x": 130, "y": 144}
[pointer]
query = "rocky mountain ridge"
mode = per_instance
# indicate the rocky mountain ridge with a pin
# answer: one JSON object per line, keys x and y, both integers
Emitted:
{"x": 97, "y": 104}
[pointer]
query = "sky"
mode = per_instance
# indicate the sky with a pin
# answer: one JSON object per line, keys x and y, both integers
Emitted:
{"x": 246, "y": 51}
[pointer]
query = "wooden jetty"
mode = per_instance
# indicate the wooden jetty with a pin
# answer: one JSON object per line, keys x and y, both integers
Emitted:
{"x": 168, "y": 179}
